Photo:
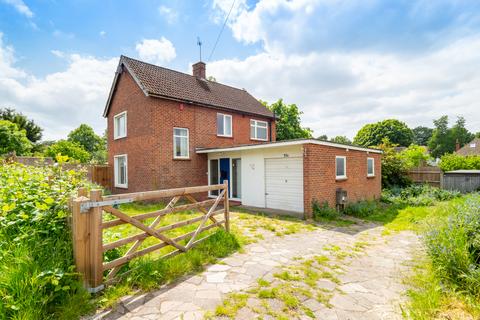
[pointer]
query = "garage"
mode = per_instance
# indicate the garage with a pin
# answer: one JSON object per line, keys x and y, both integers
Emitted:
{"x": 284, "y": 184}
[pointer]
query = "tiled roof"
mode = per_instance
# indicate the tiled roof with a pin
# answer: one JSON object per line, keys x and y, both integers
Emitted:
{"x": 163, "y": 82}
{"x": 471, "y": 148}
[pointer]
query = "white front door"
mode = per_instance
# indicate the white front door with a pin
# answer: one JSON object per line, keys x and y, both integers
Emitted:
{"x": 284, "y": 184}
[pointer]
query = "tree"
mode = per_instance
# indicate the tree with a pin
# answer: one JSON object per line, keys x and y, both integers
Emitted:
{"x": 86, "y": 137}
{"x": 441, "y": 141}
{"x": 395, "y": 131}
{"x": 288, "y": 124}
{"x": 323, "y": 137}
{"x": 341, "y": 139}
{"x": 394, "y": 169}
{"x": 414, "y": 156}
{"x": 33, "y": 132}
{"x": 421, "y": 135}
{"x": 460, "y": 133}
{"x": 12, "y": 139}
{"x": 67, "y": 148}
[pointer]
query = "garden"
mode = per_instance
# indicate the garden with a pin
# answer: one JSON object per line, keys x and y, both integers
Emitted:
{"x": 38, "y": 278}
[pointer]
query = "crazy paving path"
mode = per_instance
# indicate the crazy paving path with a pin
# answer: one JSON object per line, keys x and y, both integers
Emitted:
{"x": 351, "y": 273}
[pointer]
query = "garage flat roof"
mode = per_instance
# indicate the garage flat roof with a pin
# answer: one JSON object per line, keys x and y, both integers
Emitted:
{"x": 286, "y": 143}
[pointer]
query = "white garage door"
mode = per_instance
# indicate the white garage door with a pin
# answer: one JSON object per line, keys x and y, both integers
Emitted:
{"x": 284, "y": 184}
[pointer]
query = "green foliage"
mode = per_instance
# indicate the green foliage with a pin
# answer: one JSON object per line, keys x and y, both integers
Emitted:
{"x": 323, "y": 137}
{"x": 453, "y": 246}
{"x": 288, "y": 125}
{"x": 417, "y": 195}
{"x": 421, "y": 135}
{"x": 37, "y": 278}
{"x": 362, "y": 209}
{"x": 414, "y": 156}
{"x": 86, "y": 137}
{"x": 67, "y": 148}
{"x": 323, "y": 210}
{"x": 33, "y": 132}
{"x": 444, "y": 139}
{"x": 394, "y": 130}
{"x": 341, "y": 139}
{"x": 453, "y": 161}
{"x": 394, "y": 169}
{"x": 12, "y": 139}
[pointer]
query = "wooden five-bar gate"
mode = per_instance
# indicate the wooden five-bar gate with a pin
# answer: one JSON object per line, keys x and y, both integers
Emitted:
{"x": 88, "y": 225}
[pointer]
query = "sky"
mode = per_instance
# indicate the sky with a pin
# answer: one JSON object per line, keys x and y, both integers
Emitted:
{"x": 344, "y": 63}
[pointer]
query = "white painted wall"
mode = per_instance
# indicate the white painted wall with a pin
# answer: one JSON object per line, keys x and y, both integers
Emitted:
{"x": 253, "y": 169}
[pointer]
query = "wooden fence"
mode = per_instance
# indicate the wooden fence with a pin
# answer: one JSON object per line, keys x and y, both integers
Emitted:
{"x": 88, "y": 226}
{"x": 464, "y": 181}
{"x": 426, "y": 175}
{"x": 100, "y": 174}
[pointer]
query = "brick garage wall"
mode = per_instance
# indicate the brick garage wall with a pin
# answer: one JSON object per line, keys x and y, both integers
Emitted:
{"x": 149, "y": 141}
{"x": 319, "y": 175}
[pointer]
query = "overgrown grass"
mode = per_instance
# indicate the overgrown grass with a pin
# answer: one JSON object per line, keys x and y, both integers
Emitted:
{"x": 37, "y": 277}
{"x": 323, "y": 213}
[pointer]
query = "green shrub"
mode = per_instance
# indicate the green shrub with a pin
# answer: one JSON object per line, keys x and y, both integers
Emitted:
{"x": 323, "y": 210}
{"x": 361, "y": 209}
{"x": 454, "y": 247}
{"x": 417, "y": 195}
{"x": 455, "y": 161}
{"x": 37, "y": 278}
{"x": 67, "y": 148}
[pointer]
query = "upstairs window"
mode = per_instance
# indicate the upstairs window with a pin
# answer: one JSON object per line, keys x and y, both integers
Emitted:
{"x": 473, "y": 145}
{"x": 341, "y": 167}
{"x": 180, "y": 143}
{"x": 258, "y": 130}
{"x": 224, "y": 125}
{"x": 370, "y": 167}
{"x": 121, "y": 171}
{"x": 120, "y": 125}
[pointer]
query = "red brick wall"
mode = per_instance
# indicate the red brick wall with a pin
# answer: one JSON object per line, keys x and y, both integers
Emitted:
{"x": 319, "y": 175}
{"x": 149, "y": 141}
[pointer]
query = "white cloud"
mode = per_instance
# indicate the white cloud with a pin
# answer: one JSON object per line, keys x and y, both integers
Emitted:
{"x": 340, "y": 92}
{"x": 58, "y": 53}
{"x": 60, "y": 101}
{"x": 21, "y": 7}
{"x": 102, "y": 33}
{"x": 156, "y": 51}
{"x": 170, "y": 15}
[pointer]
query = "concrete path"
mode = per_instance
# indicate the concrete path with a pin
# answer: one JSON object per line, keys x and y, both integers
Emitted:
{"x": 369, "y": 284}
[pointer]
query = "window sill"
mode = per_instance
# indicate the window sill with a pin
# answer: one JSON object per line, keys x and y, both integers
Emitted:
{"x": 118, "y": 138}
{"x": 226, "y": 137}
{"x": 370, "y": 177}
{"x": 182, "y": 159}
{"x": 340, "y": 178}
{"x": 261, "y": 140}
{"x": 121, "y": 186}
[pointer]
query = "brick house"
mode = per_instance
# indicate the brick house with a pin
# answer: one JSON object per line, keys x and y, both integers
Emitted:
{"x": 168, "y": 129}
{"x": 470, "y": 149}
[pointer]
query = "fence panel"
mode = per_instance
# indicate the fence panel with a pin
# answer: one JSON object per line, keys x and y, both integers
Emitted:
{"x": 463, "y": 182}
{"x": 88, "y": 226}
{"x": 100, "y": 174}
{"x": 426, "y": 175}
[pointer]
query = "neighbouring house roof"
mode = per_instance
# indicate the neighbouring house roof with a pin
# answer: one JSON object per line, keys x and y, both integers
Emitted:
{"x": 165, "y": 83}
{"x": 286, "y": 143}
{"x": 470, "y": 149}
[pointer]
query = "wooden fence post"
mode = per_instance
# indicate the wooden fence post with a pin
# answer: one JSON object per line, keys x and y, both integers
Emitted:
{"x": 96, "y": 243}
{"x": 226, "y": 207}
{"x": 80, "y": 234}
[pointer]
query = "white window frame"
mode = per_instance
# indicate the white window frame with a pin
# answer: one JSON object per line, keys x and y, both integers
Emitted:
{"x": 225, "y": 116}
{"x": 254, "y": 123}
{"x": 115, "y": 169}
{"x": 344, "y": 176}
{"x": 188, "y": 143}
{"x": 473, "y": 145}
{"x": 373, "y": 167}
{"x": 115, "y": 136}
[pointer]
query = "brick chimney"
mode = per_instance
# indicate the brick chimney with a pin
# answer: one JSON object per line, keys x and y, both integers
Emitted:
{"x": 199, "y": 70}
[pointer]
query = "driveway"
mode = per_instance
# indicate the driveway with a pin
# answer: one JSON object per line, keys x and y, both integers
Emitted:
{"x": 356, "y": 271}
